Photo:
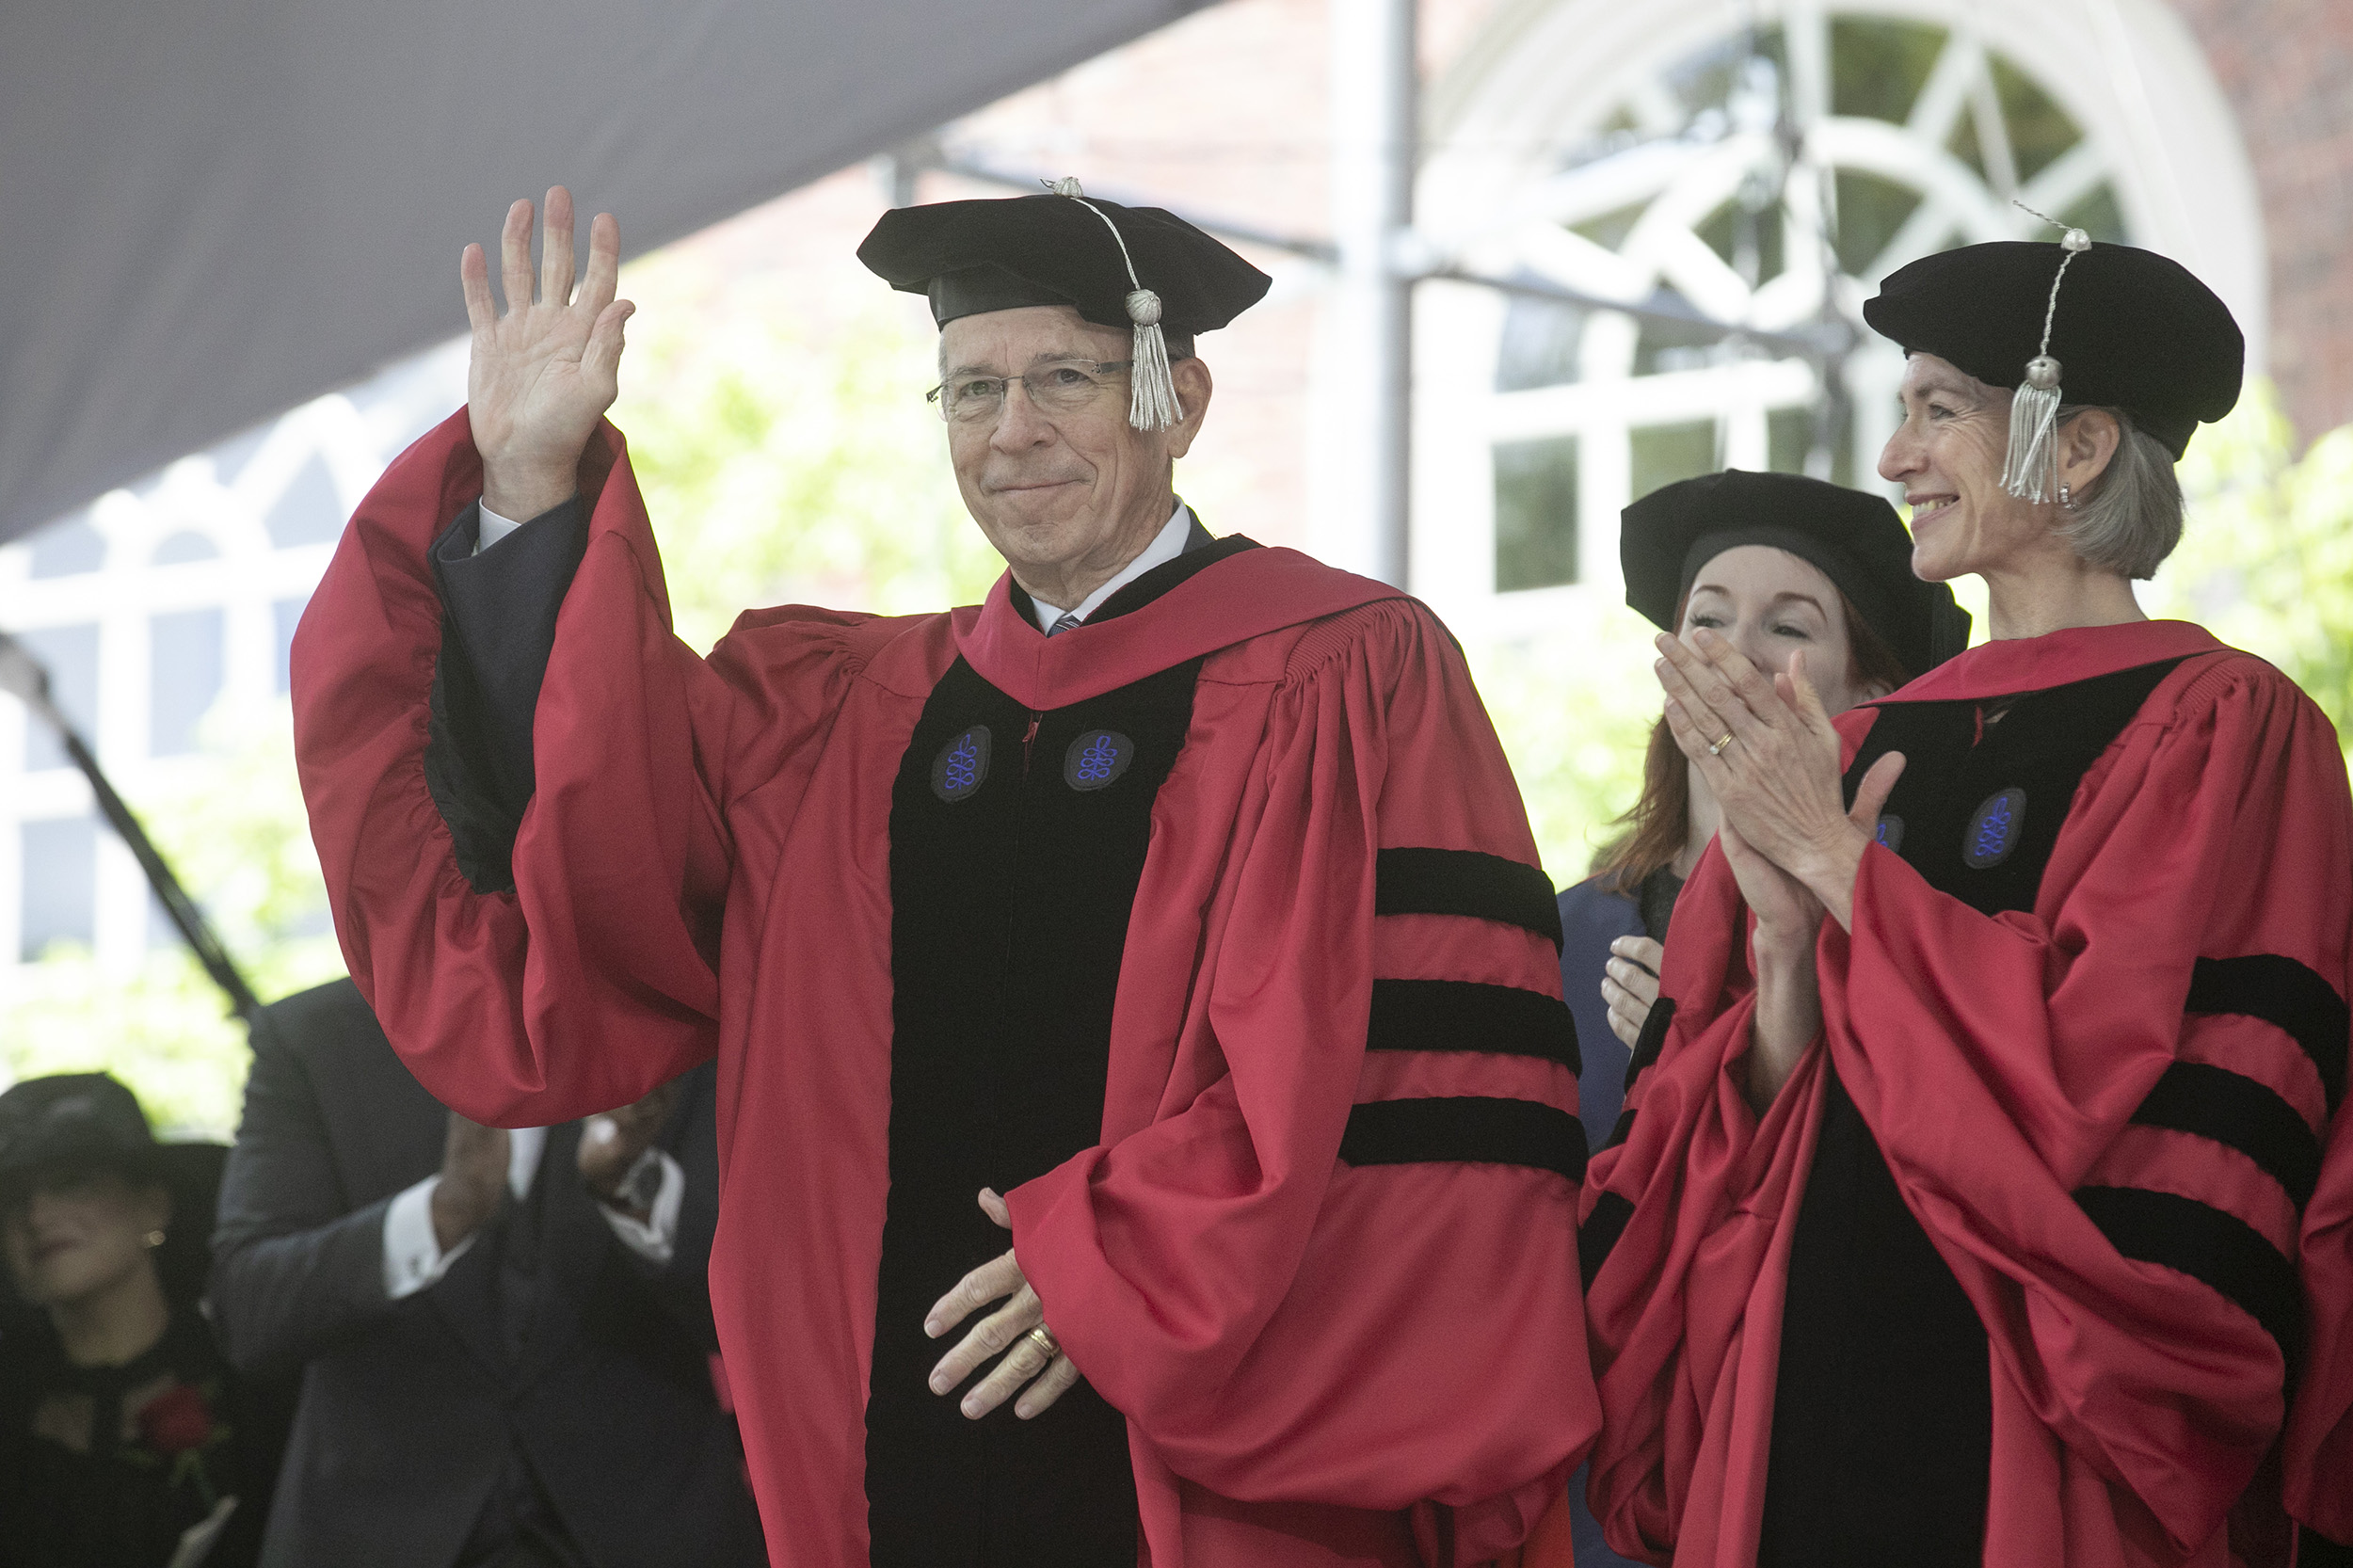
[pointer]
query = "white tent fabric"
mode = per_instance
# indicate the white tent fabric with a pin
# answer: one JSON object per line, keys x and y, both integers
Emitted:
{"x": 212, "y": 212}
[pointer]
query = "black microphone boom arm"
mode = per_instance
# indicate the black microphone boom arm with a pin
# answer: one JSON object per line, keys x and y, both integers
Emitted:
{"x": 22, "y": 676}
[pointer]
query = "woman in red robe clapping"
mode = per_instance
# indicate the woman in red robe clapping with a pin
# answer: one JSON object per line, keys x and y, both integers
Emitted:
{"x": 1982, "y": 1205}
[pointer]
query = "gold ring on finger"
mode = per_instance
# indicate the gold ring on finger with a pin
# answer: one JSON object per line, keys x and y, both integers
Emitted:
{"x": 1043, "y": 1337}
{"x": 1718, "y": 749}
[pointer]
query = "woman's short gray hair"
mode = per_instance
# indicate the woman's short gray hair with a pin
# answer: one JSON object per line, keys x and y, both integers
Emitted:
{"x": 2131, "y": 518}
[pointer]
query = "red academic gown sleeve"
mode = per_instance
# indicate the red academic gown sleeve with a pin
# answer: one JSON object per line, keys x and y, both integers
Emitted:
{"x": 2003, "y": 1063}
{"x": 582, "y": 987}
{"x": 1275, "y": 1322}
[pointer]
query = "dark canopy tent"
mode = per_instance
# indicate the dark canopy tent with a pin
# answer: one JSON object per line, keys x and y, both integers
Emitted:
{"x": 210, "y": 212}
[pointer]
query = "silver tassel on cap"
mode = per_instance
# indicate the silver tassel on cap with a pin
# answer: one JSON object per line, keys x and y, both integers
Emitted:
{"x": 2031, "y": 472}
{"x": 1153, "y": 403}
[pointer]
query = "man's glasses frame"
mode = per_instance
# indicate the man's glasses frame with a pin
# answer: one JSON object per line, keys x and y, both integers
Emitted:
{"x": 974, "y": 399}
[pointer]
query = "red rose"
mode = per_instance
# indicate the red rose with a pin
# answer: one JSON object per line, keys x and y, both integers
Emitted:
{"x": 176, "y": 1421}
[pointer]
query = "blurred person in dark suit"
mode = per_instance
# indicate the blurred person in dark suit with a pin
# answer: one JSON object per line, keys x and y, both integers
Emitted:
{"x": 506, "y": 1336}
{"x": 126, "y": 1440}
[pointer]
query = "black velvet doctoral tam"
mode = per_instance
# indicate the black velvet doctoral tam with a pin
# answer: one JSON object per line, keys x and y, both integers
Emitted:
{"x": 1006, "y": 254}
{"x": 1854, "y": 539}
{"x": 2134, "y": 330}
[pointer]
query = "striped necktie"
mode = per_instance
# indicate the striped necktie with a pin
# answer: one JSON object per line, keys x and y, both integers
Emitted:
{"x": 1062, "y": 625}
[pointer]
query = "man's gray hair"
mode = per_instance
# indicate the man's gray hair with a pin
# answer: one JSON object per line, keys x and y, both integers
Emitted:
{"x": 2130, "y": 518}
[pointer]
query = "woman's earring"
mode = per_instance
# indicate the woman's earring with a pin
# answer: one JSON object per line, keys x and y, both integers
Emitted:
{"x": 2067, "y": 502}
{"x": 153, "y": 1238}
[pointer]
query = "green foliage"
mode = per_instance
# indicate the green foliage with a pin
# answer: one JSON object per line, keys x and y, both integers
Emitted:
{"x": 2266, "y": 561}
{"x": 1574, "y": 712}
{"x": 229, "y": 822}
{"x": 780, "y": 465}
{"x": 165, "y": 1031}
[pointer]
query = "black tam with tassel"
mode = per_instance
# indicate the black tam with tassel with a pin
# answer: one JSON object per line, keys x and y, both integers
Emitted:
{"x": 2123, "y": 328}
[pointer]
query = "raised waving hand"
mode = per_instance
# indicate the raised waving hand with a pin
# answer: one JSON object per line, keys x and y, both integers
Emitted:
{"x": 545, "y": 372}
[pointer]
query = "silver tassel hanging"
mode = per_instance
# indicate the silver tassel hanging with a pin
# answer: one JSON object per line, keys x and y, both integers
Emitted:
{"x": 2030, "y": 472}
{"x": 1152, "y": 403}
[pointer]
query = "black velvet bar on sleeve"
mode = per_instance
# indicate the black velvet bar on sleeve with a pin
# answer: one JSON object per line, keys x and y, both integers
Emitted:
{"x": 497, "y": 631}
{"x": 2315, "y": 1550}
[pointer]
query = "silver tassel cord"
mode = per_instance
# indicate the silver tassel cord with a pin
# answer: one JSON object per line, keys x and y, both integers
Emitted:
{"x": 1152, "y": 405}
{"x": 2030, "y": 473}
{"x": 2031, "y": 470}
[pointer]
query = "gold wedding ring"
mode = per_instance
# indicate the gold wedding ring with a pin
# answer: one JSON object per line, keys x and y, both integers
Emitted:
{"x": 1043, "y": 1337}
{"x": 1718, "y": 749}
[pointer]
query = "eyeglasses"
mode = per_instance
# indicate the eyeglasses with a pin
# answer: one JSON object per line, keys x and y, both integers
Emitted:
{"x": 1063, "y": 387}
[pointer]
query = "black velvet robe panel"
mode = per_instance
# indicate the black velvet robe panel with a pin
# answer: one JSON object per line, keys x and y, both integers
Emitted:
{"x": 1883, "y": 1418}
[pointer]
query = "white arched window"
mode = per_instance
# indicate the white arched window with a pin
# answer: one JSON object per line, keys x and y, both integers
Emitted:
{"x": 147, "y": 609}
{"x": 1764, "y": 166}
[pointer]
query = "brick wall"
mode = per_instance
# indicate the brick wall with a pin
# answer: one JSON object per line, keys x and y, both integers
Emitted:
{"x": 2286, "y": 66}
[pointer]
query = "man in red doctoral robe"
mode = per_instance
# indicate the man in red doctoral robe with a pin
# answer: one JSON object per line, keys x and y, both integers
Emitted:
{"x": 1180, "y": 893}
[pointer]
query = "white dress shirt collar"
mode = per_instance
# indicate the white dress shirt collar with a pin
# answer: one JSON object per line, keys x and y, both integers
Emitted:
{"x": 1165, "y": 547}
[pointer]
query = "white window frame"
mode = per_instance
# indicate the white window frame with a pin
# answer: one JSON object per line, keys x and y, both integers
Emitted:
{"x": 353, "y": 435}
{"x": 1546, "y": 78}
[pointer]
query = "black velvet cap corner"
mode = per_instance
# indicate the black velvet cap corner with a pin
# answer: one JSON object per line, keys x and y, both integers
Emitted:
{"x": 2134, "y": 330}
{"x": 1854, "y": 539}
{"x": 1004, "y": 253}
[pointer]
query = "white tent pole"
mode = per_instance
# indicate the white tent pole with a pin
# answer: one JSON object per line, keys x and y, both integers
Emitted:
{"x": 1376, "y": 125}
